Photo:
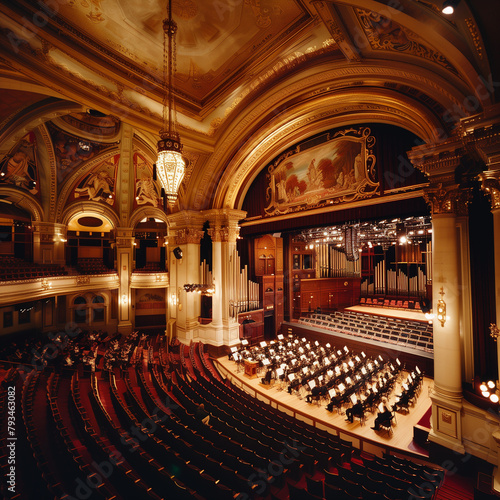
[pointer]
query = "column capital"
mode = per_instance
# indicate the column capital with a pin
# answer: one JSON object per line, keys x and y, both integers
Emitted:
{"x": 447, "y": 199}
{"x": 188, "y": 235}
{"x": 124, "y": 237}
{"x": 490, "y": 184}
{"x": 185, "y": 227}
{"x": 224, "y": 223}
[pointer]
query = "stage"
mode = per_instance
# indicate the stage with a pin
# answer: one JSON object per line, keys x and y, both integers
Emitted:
{"x": 362, "y": 436}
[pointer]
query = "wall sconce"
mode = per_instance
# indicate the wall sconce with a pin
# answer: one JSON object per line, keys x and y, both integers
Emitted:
{"x": 124, "y": 299}
{"x": 490, "y": 391}
{"x": 494, "y": 331}
{"x": 46, "y": 284}
{"x": 441, "y": 308}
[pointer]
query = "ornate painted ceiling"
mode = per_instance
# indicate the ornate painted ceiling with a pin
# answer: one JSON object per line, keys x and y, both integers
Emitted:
{"x": 252, "y": 75}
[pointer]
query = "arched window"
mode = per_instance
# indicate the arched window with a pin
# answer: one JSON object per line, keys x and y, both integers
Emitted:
{"x": 80, "y": 310}
{"x": 98, "y": 309}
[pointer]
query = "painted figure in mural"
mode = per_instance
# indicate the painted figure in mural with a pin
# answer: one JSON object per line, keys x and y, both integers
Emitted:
{"x": 146, "y": 192}
{"x": 71, "y": 152}
{"x": 314, "y": 176}
{"x": 19, "y": 169}
{"x": 98, "y": 187}
{"x": 358, "y": 168}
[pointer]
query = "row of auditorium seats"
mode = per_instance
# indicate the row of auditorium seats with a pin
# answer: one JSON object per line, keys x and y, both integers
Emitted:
{"x": 92, "y": 266}
{"x": 13, "y": 268}
{"x": 132, "y": 433}
{"x": 415, "y": 334}
{"x": 150, "y": 267}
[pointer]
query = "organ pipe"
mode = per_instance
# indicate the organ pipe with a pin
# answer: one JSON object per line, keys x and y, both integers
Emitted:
{"x": 243, "y": 293}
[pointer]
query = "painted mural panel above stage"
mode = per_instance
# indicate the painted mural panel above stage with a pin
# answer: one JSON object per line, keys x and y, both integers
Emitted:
{"x": 333, "y": 168}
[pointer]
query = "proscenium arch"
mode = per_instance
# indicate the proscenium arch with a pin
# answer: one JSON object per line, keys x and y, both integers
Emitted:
{"x": 348, "y": 108}
{"x": 300, "y": 93}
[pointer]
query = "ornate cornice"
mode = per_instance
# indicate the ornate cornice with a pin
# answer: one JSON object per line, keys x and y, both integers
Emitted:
{"x": 438, "y": 161}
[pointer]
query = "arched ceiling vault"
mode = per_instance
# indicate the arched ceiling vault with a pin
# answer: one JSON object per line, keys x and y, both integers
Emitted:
{"x": 343, "y": 109}
{"x": 250, "y": 80}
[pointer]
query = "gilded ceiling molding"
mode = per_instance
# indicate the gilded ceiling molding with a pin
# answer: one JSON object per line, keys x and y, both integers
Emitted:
{"x": 277, "y": 99}
{"x": 52, "y": 171}
{"x": 79, "y": 172}
{"x": 490, "y": 184}
{"x": 26, "y": 201}
{"x": 280, "y": 68}
{"x": 55, "y": 75}
{"x": 336, "y": 27}
{"x": 476, "y": 36}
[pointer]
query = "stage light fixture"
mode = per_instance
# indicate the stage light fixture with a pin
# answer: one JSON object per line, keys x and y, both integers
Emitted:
{"x": 449, "y": 7}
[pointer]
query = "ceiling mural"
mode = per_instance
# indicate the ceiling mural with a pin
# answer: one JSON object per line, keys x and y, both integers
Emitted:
{"x": 72, "y": 151}
{"x": 333, "y": 168}
{"x": 19, "y": 167}
{"x": 214, "y": 39}
{"x": 147, "y": 191}
{"x": 99, "y": 184}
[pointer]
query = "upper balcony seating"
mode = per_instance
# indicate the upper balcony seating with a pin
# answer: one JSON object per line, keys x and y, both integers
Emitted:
{"x": 14, "y": 268}
{"x": 92, "y": 266}
{"x": 150, "y": 267}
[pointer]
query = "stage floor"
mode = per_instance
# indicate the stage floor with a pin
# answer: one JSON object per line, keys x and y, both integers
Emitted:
{"x": 362, "y": 436}
{"x": 387, "y": 311}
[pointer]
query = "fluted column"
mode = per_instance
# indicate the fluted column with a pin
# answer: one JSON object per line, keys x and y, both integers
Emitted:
{"x": 444, "y": 199}
{"x": 216, "y": 233}
{"x": 224, "y": 231}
